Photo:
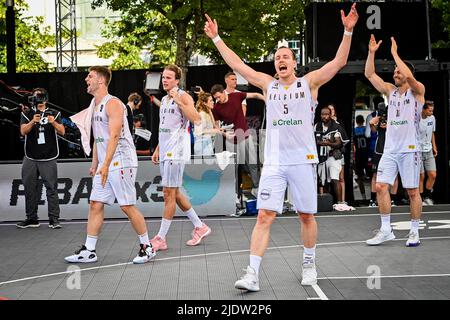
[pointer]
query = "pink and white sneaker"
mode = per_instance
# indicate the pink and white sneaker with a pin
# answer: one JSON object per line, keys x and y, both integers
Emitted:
{"x": 158, "y": 243}
{"x": 198, "y": 234}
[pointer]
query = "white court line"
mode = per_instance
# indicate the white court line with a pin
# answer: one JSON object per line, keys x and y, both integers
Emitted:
{"x": 196, "y": 256}
{"x": 391, "y": 276}
{"x": 319, "y": 292}
{"x": 156, "y": 219}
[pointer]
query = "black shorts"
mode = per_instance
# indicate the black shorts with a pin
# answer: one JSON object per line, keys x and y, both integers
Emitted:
{"x": 375, "y": 161}
{"x": 361, "y": 166}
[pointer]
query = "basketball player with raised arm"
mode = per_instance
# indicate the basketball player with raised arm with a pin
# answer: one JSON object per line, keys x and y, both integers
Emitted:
{"x": 401, "y": 150}
{"x": 172, "y": 153}
{"x": 290, "y": 147}
{"x": 114, "y": 167}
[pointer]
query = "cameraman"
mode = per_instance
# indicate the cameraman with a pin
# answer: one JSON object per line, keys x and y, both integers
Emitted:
{"x": 378, "y": 125}
{"x": 329, "y": 146}
{"x": 40, "y": 126}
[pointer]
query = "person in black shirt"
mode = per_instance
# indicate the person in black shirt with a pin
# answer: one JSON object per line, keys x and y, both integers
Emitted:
{"x": 141, "y": 136}
{"x": 378, "y": 124}
{"x": 133, "y": 108}
{"x": 361, "y": 145}
{"x": 40, "y": 126}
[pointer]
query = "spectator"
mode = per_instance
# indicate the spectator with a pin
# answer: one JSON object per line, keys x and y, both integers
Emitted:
{"x": 207, "y": 130}
{"x": 228, "y": 108}
{"x": 379, "y": 124}
{"x": 361, "y": 148}
{"x": 40, "y": 126}
{"x": 133, "y": 108}
{"x": 329, "y": 144}
{"x": 344, "y": 137}
{"x": 231, "y": 82}
{"x": 427, "y": 128}
{"x": 141, "y": 136}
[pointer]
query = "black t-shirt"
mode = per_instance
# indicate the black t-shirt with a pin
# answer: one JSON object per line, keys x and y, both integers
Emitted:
{"x": 141, "y": 144}
{"x": 381, "y": 138}
{"x": 361, "y": 142}
{"x": 130, "y": 117}
{"x": 41, "y": 143}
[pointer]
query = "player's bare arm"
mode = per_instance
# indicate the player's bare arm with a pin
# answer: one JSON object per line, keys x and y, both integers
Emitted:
{"x": 321, "y": 76}
{"x": 186, "y": 104}
{"x": 114, "y": 110}
{"x": 417, "y": 88}
{"x": 258, "y": 79}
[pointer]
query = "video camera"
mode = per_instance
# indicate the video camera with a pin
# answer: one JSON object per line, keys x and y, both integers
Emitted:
{"x": 37, "y": 98}
{"x": 382, "y": 112}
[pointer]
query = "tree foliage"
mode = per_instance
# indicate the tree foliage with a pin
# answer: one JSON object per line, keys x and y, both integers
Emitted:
{"x": 30, "y": 37}
{"x": 444, "y": 7}
{"x": 172, "y": 30}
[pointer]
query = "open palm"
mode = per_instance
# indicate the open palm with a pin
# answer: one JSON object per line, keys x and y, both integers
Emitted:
{"x": 373, "y": 45}
{"x": 350, "y": 20}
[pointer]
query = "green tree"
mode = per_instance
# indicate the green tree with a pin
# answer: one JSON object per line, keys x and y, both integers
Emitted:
{"x": 172, "y": 30}
{"x": 30, "y": 37}
{"x": 444, "y": 7}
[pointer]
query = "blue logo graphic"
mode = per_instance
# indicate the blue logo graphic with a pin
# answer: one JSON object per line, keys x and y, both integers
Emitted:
{"x": 203, "y": 190}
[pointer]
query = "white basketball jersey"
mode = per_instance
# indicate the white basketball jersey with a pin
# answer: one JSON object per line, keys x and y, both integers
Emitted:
{"x": 125, "y": 155}
{"x": 174, "y": 134}
{"x": 426, "y": 128}
{"x": 290, "y": 124}
{"x": 402, "y": 132}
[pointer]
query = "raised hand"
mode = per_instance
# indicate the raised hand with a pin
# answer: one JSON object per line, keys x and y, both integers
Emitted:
{"x": 373, "y": 45}
{"x": 394, "y": 46}
{"x": 211, "y": 28}
{"x": 350, "y": 20}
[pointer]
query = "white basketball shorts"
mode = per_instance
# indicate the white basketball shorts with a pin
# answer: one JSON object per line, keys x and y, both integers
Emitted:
{"x": 120, "y": 185}
{"x": 171, "y": 173}
{"x": 302, "y": 181}
{"x": 408, "y": 164}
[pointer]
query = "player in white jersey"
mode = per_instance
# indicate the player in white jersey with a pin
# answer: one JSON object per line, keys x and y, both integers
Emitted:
{"x": 173, "y": 151}
{"x": 114, "y": 167}
{"x": 427, "y": 128}
{"x": 401, "y": 149}
{"x": 290, "y": 150}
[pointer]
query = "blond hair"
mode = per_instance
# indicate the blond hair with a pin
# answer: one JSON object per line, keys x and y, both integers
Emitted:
{"x": 105, "y": 72}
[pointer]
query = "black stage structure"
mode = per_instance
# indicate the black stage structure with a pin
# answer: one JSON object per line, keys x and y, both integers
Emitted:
{"x": 67, "y": 91}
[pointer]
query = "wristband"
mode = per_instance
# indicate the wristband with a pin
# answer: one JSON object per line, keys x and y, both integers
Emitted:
{"x": 347, "y": 33}
{"x": 216, "y": 39}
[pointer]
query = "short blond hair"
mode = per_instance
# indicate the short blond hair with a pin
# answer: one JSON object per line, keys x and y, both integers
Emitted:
{"x": 176, "y": 69}
{"x": 105, "y": 72}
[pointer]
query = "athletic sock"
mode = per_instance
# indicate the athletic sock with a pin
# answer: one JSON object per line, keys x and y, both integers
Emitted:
{"x": 386, "y": 222}
{"x": 143, "y": 239}
{"x": 255, "y": 262}
{"x": 309, "y": 255}
{"x": 164, "y": 228}
{"x": 415, "y": 225}
{"x": 91, "y": 242}
{"x": 192, "y": 215}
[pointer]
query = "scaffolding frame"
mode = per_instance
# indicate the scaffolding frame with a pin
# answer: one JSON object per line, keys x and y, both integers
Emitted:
{"x": 66, "y": 35}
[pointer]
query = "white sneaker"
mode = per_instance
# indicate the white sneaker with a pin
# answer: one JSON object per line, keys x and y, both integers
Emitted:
{"x": 309, "y": 274}
{"x": 427, "y": 202}
{"x": 83, "y": 255}
{"x": 249, "y": 281}
{"x": 380, "y": 237}
{"x": 146, "y": 253}
{"x": 413, "y": 239}
{"x": 254, "y": 192}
